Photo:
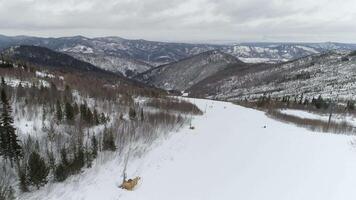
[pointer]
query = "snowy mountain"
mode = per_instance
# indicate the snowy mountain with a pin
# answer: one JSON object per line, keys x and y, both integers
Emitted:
{"x": 331, "y": 75}
{"x": 115, "y": 54}
{"x": 183, "y": 74}
{"x": 83, "y": 132}
{"x": 36, "y": 56}
{"x": 280, "y": 52}
{"x": 131, "y": 57}
{"x": 45, "y": 57}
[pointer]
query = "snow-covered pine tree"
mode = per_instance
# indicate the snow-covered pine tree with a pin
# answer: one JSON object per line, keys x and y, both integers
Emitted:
{"x": 59, "y": 113}
{"x": 61, "y": 171}
{"x": 142, "y": 116}
{"x": 83, "y": 111}
{"x": 68, "y": 97}
{"x": 132, "y": 113}
{"x": 88, "y": 156}
{"x": 79, "y": 159}
{"x": 69, "y": 112}
{"x": 96, "y": 117}
{"x": 103, "y": 118}
{"x": 94, "y": 146}
{"x": 89, "y": 116}
{"x": 75, "y": 108}
{"x": 10, "y": 147}
{"x": 23, "y": 180}
{"x": 108, "y": 141}
{"x": 37, "y": 170}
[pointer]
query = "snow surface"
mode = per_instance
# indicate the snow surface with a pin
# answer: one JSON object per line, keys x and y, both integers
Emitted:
{"x": 14, "y": 82}
{"x": 44, "y": 74}
{"x": 304, "y": 114}
{"x": 325, "y": 117}
{"x": 256, "y": 60}
{"x": 229, "y": 155}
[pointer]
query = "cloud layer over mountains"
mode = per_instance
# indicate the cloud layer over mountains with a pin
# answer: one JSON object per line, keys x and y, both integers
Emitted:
{"x": 190, "y": 20}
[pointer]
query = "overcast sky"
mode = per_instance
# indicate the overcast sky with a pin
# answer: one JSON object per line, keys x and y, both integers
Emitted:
{"x": 184, "y": 20}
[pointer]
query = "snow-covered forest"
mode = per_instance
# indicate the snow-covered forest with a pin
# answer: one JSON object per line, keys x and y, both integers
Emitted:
{"x": 233, "y": 152}
{"x": 69, "y": 134}
{"x": 56, "y": 125}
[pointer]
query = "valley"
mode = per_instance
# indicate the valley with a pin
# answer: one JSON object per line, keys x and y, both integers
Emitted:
{"x": 177, "y": 100}
{"x": 113, "y": 118}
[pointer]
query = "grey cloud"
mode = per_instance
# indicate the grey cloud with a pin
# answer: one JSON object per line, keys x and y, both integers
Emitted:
{"x": 240, "y": 20}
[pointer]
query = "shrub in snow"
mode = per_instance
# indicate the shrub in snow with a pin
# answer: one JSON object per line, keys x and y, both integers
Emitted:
{"x": 6, "y": 191}
{"x": 60, "y": 173}
{"x": 132, "y": 113}
{"x": 108, "y": 141}
{"x": 37, "y": 170}
{"x": 23, "y": 179}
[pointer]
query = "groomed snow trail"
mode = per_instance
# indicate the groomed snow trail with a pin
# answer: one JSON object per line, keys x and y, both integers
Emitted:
{"x": 230, "y": 156}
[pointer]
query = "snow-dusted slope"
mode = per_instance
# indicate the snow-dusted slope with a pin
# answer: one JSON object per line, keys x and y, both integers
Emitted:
{"x": 279, "y": 52}
{"x": 116, "y": 54}
{"x": 183, "y": 74}
{"x": 135, "y": 56}
{"x": 125, "y": 66}
{"x": 229, "y": 155}
{"x": 331, "y": 75}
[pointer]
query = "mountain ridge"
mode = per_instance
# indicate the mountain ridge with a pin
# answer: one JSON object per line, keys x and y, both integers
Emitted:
{"x": 330, "y": 74}
{"x": 185, "y": 73}
{"x": 132, "y": 57}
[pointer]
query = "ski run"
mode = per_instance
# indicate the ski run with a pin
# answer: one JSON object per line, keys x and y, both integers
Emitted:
{"x": 232, "y": 153}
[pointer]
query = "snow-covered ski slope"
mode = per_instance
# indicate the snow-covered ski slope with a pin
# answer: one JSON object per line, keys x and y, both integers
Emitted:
{"x": 229, "y": 155}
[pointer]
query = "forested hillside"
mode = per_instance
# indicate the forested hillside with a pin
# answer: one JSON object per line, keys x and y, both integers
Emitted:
{"x": 55, "y": 123}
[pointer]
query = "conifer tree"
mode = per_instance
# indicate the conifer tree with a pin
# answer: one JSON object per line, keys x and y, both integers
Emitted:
{"x": 69, "y": 112}
{"x": 103, "y": 118}
{"x": 320, "y": 103}
{"x": 61, "y": 171}
{"x": 51, "y": 160}
{"x": 88, "y": 156}
{"x": 37, "y": 170}
{"x": 108, "y": 141}
{"x": 132, "y": 114}
{"x": 350, "y": 105}
{"x": 96, "y": 117}
{"x": 20, "y": 92}
{"x": 301, "y": 99}
{"x": 64, "y": 157}
{"x": 79, "y": 159}
{"x": 22, "y": 173}
{"x": 89, "y": 116}
{"x": 3, "y": 84}
{"x": 121, "y": 117}
{"x": 142, "y": 117}
{"x": 68, "y": 97}
{"x": 59, "y": 112}
{"x": 83, "y": 111}
{"x": 94, "y": 146}
{"x": 9, "y": 144}
{"x": 75, "y": 109}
